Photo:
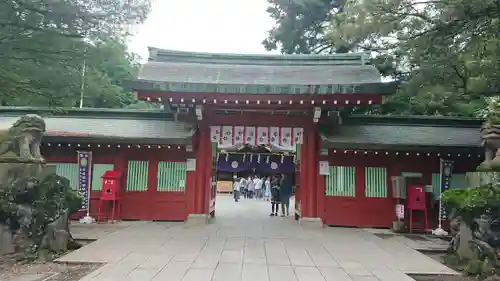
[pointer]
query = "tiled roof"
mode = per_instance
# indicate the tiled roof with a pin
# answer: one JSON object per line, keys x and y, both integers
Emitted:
{"x": 198, "y": 72}
{"x": 259, "y": 74}
{"x": 393, "y": 136}
{"x": 137, "y": 130}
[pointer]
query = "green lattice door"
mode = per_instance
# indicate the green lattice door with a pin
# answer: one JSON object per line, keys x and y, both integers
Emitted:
{"x": 69, "y": 171}
{"x": 375, "y": 182}
{"x": 341, "y": 182}
{"x": 137, "y": 176}
{"x": 171, "y": 176}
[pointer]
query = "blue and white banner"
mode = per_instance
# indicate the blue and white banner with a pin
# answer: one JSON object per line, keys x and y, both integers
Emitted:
{"x": 446, "y": 171}
{"x": 84, "y": 170}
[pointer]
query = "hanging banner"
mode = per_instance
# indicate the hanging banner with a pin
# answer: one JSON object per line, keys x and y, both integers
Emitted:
{"x": 233, "y": 164}
{"x": 297, "y": 135}
{"x": 274, "y": 133}
{"x": 263, "y": 135}
{"x": 239, "y": 132}
{"x": 84, "y": 170}
{"x": 446, "y": 170}
{"x": 250, "y": 137}
{"x": 227, "y": 136}
{"x": 286, "y": 137}
{"x": 279, "y": 138}
{"x": 277, "y": 164}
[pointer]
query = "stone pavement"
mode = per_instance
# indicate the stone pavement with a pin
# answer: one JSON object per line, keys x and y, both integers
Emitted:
{"x": 245, "y": 244}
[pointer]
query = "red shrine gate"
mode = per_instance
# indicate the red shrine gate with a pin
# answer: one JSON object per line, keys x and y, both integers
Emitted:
{"x": 276, "y": 101}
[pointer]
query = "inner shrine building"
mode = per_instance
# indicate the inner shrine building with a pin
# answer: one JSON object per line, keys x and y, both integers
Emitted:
{"x": 242, "y": 114}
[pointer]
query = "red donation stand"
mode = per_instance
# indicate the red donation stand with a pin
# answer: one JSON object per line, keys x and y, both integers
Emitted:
{"x": 110, "y": 192}
{"x": 417, "y": 202}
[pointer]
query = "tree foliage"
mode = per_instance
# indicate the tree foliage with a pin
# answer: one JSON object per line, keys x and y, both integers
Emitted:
{"x": 445, "y": 53}
{"x": 300, "y": 25}
{"x": 44, "y": 45}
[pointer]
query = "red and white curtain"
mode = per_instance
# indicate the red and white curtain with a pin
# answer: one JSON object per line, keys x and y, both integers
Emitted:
{"x": 284, "y": 138}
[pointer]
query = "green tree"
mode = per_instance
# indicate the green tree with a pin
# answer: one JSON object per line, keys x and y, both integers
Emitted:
{"x": 444, "y": 53}
{"x": 44, "y": 44}
{"x": 301, "y": 25}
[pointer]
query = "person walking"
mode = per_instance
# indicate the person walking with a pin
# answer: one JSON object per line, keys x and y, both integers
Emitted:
{"x": 243, "y": 187}
{"x": 267, "y": 189}
{"x": 285, "y": 194}
{"x": 275, "y": 197}
{"x": 258, "y": 187}
{"x": 236, "y": 190}
{"x": 250, "y": 188}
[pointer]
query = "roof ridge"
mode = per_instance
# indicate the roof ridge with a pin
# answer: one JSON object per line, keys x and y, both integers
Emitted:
{"x": 414, "y": 120}
{"x": 72, "y": 109}
{"x": 159, "y": 55}
{"x": 111, "y": 113}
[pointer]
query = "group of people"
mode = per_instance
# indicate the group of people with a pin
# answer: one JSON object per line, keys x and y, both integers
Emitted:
{"x": 277, "y": 189}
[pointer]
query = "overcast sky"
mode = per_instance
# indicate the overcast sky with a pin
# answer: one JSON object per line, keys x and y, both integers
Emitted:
{"x": 220, "y": 26}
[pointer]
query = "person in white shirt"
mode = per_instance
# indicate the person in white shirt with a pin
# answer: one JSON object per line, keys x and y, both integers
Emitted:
{"x": 236, "y": 190}
{"x": 243, "y": 187}
{"x": 250, "y": 188}
{"x": 258, "y": 187}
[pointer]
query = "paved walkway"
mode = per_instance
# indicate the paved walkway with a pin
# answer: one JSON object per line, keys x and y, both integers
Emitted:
{"x": 245, "y": 244}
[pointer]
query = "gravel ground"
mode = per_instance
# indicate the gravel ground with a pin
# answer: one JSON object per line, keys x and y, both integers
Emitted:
{"x": 45, "y": 271}
{"x": 440, "y": 278}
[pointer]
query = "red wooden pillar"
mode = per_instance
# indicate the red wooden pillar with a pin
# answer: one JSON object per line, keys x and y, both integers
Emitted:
{"x": 205, "y": 188}
{"x": 201, "y": 193}
{"x": 315, "y": 177}
{"x": 321, "y": 182}
{"x": 360, "y": 195}
{"x": 304, "y": 174}
{"x": 308, "y": 173}
{"x": 121, "y": 164}
{"x": 152, "y": 183}
{"x": 191, "y": 178}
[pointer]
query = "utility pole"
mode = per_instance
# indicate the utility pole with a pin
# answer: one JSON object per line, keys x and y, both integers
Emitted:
{"x": 82, "y": 87}
{"x": 84, "y": 70}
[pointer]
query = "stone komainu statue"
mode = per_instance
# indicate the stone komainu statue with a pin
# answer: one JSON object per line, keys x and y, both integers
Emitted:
{"x": 491, "y": 144}
{"x": 24, "y": 138}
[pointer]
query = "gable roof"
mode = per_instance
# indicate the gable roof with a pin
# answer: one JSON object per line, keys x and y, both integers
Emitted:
{"x": 174, "y": 71}
{"x": 409, "y": 132}
{"x": 148, "y": 127}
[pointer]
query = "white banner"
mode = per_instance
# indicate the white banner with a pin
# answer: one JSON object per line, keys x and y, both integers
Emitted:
{"x": 263, "y": 135}
{"x": 279, "y": 137}
{"x": 215, "y": 133}
{"x": 297, "y": 132}
{"x": 239, "y": 131}
{"x": 274, "y": 132}
{"x": 250, "y": 136}
{"x": 286, "y": 136}
{"x": 227, "y": 135}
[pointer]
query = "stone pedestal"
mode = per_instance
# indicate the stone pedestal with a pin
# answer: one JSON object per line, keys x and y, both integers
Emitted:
{"x": 6, "y": 244}
{"x": 311, "y": 222}
{"x": 197, "y": 219}
{"x": 464, "y": 250}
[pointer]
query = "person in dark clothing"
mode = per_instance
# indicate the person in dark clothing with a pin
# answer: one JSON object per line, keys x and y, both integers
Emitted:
{"x": 275, "y": 196}
{"x": 286, "y": 189}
